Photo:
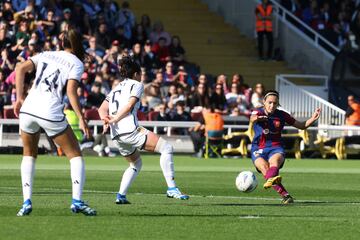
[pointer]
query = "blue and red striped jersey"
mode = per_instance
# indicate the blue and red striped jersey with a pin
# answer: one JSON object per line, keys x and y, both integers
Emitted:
{"x": 268, "y": 132}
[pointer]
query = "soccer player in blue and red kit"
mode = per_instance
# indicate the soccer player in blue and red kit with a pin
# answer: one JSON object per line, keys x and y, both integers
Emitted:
{"x": 267, "y": 152}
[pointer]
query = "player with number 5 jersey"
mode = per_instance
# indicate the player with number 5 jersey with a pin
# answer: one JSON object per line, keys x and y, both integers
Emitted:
{"x": 57, "y": 73}
{"x": 119, "y": 112}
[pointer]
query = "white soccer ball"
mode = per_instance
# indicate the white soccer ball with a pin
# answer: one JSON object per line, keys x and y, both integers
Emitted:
{"x": 246, "y": 181}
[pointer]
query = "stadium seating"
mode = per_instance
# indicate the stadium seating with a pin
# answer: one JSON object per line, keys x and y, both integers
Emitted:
{"x": 142, "y": 116}
{"x": 9, "y": 113}
{"x": 91, "y": 114}
{"x": 295, "y": 142}
{"x": 244, "y": 138}
{"x": 152, "y": 115}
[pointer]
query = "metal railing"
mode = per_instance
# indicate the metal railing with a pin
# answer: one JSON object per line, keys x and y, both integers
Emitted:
{"x": 301, "y": 103}
{"x": 334, "y": 130}
{"x": 303, "y": 29}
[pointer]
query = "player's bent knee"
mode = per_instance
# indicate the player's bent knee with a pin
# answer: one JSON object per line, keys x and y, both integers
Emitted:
{"x": 164, "y": 146}
{"x": 136, "y": 165}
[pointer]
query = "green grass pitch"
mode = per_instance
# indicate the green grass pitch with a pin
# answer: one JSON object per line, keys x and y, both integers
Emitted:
{"x": 327, "y": 194}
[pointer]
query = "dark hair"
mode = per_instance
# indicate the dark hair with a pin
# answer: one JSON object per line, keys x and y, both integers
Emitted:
{"x": 73, "y": 40}
{"x": 271, "y": 93}
{"x": 128, "y": 67}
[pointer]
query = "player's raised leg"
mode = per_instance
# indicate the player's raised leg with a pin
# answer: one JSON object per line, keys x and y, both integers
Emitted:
{"x": 270, "y": 171}
{"x": 129, "y": 176}
{"x": 154, "y": 143}
{"x": 68, "y": 143}
{"x": 30, "y": 143}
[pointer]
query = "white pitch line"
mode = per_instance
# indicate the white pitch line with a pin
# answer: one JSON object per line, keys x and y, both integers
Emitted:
{"x": 193, "y": 196}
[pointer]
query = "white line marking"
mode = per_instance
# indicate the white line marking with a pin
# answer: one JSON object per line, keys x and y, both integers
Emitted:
{"x": 193, "y": 196}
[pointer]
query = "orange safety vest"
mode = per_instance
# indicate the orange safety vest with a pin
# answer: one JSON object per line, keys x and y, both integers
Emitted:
{"x": 354, "y": 118}
{"x": 263, "y": 25}
{"x": 213, "y": 122}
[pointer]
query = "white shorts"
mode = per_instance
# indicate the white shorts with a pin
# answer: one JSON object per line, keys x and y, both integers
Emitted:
{"x": 128, "y": 143}
{"x": 31, "y": 124}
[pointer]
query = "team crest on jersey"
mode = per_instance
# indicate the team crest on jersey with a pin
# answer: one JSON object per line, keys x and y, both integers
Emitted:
{"x": 276, "y": 123}
{"x": 266, "y": 131}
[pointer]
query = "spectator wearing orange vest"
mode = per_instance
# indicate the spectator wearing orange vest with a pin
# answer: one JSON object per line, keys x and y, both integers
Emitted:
{"x": 264, "y": 26}
{"x": 353, "y": 112}
{"x": 214, "y": 123}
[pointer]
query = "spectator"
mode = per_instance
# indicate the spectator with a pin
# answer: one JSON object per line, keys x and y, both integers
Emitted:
{"x": 79, "y": 19}
{"x": 163, "y": 116}
{"x": 5, "y": 92}
{"x": 146, "y": 24}
{"x": 257, "y": 96}
{"x": 49, "y": 25}
{"x": 353, "y": 112}
{"x": 199, "y": 99}
{"x": 222, "y": 80}
{"x": 95, "y": 97}
{"x": 162, "y": 51}
{"x": 126, "y": 20}
{"x": 8, "y": 11}
{"x": 6, "y": 63}
{"x": 197, "y": 135}
{"x": 169, "y": 74}
{"x": 293, "y": 6}
{"x": 236, "y": 99}
{"x": 150, "y": 61}
{"x": 182, "y": 77}
{"x": 28, "y": 51}
{"x": 218, "y": 99}
{"x": 139, "y": 35}
{"x": 214, "y": 123}
{"x": 4, "y": 40}
{"x": 95, "y": 51}
{"x": 235, "y": 112}
{"x": 264, "y": 27}
{"x": 177, "y": 52}
{"x": 102, "y": 36}
{"x": 159, "y": 32}
{"x": 110, "y": 13}
{"x": 153, "y": 93}
{"x": 180, "y": 115}
{"x": 171, "y": 97}
{"x": 137, "y": 54}
{"x": 92, "y": 8}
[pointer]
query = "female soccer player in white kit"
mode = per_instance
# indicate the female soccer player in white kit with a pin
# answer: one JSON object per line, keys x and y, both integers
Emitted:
{"x": 56, "y": 73}
{"x": 119, "y": 112}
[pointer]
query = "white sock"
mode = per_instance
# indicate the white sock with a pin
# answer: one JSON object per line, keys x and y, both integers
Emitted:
{"x": 166, "y": 161}
{"x": 77, "y": 168}
{"x": 129, "y": 176}
{"x": 27, "y": 176}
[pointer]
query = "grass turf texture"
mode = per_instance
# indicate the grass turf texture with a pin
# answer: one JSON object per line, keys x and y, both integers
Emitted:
{"x": 326, "y": 191}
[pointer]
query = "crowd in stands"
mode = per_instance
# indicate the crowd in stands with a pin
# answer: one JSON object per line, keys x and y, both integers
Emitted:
{"x": 174, "y": 88}
{"x": 337, "y": 20}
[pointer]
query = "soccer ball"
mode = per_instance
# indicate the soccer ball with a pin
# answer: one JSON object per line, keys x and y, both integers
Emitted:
{"x": 246, "y": 181}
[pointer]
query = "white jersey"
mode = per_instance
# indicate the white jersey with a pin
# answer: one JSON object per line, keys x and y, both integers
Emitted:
{"x": 118, "y": 98}
{"x": 53, "y": 70}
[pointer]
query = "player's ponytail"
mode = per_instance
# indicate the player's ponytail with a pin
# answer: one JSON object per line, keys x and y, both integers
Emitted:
{"x": 128, "y": 67}
{"x": 73, "y": 40}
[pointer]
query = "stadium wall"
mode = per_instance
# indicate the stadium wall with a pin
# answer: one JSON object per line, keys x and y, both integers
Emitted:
{"x": 297, "y": 49}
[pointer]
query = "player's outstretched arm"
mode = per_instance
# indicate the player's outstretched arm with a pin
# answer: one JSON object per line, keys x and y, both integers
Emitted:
{"x": 71, "y": 92}
{"x": 20, "y": 71}
{"x": 309, "y": 122}
{"x": 125, "y": 110}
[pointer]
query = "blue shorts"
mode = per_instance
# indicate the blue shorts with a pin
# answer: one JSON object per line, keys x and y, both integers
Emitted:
{"x": 265, "y": 153}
